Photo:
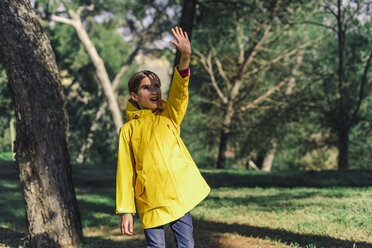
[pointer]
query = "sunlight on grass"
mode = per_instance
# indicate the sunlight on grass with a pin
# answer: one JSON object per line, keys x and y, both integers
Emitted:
{"x": 9, "y": 184}
{"x": 335, "y": 212}
{"x": 97, "y": 199}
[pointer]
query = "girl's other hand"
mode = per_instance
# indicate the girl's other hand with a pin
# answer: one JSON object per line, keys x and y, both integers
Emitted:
{"x": 183, "y": 43}
{"x": 126, "y": 224}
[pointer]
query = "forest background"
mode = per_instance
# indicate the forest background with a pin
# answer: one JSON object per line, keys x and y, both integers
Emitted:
{"x": 275, "y": 85}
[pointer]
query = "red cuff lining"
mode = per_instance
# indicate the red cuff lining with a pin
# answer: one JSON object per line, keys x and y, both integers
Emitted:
{"x": 184, "y": 73}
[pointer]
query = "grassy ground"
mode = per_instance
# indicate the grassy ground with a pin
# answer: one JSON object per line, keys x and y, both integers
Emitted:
{"x": 244, "y": 209}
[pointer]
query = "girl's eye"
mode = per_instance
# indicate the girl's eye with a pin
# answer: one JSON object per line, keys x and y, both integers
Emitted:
{"x": 157, "y": 86}
{"x": 145, "y": 87}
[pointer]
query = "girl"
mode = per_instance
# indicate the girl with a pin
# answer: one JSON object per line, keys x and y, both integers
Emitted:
{"x": 155, "y": 172}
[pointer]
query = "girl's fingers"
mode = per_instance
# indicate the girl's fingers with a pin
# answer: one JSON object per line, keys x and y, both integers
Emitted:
{"x": 131, "y": 227}
{"x": 186, "y": 36}
{"x": 181, "y": 32}
{"x": 174, "y": 43}
{"x": 178, "y": 33}
{"x": 128, "y": 231}
{"x": 176, "y": 36}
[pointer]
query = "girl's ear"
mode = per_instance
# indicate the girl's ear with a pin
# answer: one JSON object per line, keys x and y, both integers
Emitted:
{"x": 133, "y": 96}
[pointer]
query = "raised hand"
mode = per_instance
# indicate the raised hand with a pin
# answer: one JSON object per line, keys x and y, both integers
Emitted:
{"x": 183, "y": 43}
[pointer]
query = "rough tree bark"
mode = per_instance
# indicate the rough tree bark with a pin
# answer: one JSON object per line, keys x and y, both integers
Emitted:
{"x": 42, "y": 157}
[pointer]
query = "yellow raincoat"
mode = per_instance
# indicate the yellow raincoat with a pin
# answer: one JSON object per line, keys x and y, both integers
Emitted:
{"x": 154, "y": 166}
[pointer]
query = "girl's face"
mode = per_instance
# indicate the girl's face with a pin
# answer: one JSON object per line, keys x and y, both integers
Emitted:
{"x": 148, "y": 95}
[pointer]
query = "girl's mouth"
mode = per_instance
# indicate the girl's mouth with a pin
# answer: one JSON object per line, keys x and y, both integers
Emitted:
{"x": 154, "y": 99}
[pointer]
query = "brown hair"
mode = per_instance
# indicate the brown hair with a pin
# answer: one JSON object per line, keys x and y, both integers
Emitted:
{"x": 136, "y": 78}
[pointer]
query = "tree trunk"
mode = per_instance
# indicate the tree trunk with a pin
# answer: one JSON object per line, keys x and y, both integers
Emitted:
{"x": 186, "y": 23}
{"x": 222, "y": 149}
{"x": 269, "y": 158}
{"x": 42, "y": 157}
{"x": 225, "y": 132}
{"x": 343, "y": 149}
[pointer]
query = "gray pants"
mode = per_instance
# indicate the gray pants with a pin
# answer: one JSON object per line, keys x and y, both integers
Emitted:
{"x": 182, "y": 230}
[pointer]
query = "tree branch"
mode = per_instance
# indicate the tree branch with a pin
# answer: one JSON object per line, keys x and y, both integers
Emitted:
{"x": 254, "y": 51}
{"x": 363, "y": 83}
{"x": 264, "y": 96}
{"x": 240, "y": 43}
{"x": 62, "y": 20}
{"x": 290, "y": 79}
{"x": 99, "y": 65}
{"x": 352, "y": 14}
{"x": 223, "y": 74}
{"x": 275, "y": 60}
{"x": 329, "y": 8}
{"x": 207, "y": 63}
{"x": 320, "y": 24}
{"x": 81, "y": 8}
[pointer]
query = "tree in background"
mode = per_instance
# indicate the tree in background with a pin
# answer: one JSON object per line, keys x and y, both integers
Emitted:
{"x": 342, "y": 69}
{"x": 106, "y": 38}
{"x": 7, "y": 120}
{"x": 239, "y": 55}
{"x": 42, "y": 158}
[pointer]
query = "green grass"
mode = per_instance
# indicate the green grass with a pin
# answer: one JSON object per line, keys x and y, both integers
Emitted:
{"x": 330, "y": 214}
{"x": 7, "y": 156}
{"x": 287, "y": 209}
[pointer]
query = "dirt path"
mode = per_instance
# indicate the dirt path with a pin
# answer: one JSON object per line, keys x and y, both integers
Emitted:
{"x": 205, "y": 237}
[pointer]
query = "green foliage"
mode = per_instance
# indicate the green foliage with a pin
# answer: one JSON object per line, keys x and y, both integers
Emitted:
{"x": 324, "y": 92}
{"x": 107, "y": 26}
{"x": 83, "y": 93}
{"x": 244, "y": 23}
{"x": 199, "y": 132}
{"x": 303, "y": 123}
{"x": 6, "y": 113}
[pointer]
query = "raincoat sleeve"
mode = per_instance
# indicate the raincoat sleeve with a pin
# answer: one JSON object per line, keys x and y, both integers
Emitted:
{"x": 125, "y": 175}
{"x": 178, "y": 97}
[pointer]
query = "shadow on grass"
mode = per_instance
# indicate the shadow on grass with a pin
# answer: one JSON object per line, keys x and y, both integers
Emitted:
{"x": 281, "y": 201}
{"x": 288, "y": 179}
{"x": 97, "y": 242}
{"x": 205, "y": 237}
{"x": 12, "y": 238}
{"x": 207, "y": 227}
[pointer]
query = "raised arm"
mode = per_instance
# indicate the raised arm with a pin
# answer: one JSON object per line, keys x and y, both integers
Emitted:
{"x": 178, "y": 93}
